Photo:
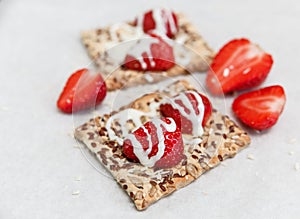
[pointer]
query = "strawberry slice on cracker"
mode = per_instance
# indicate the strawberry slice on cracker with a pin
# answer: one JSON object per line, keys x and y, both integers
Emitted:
{"x": 158, "y": 143}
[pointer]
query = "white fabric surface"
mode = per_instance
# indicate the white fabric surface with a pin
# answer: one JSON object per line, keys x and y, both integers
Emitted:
{"x": 39, "y": 49}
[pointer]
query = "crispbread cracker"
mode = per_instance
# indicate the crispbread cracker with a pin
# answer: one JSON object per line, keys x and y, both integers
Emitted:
{"x": 192, "y": 53}
{"x": 222, "y": 139}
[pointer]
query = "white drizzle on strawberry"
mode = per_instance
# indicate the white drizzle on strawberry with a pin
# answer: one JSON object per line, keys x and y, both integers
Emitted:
{"x": 138, "y": 150}
{"x": 128, "y": 114}
{"x": 161, "y": 17}
{"x": 143, "y": 46}
{"x": 122, "y": 117}
{"x": 195, "y": 118}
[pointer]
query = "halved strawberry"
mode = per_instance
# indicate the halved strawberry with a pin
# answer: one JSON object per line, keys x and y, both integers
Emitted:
{"x": 145, "y": 144}
{"x": 159, "y": 21}
{"x": 239, "y": 65}
{"x": 91, "y": 92}
{"x": 189, "y": 113}
{"x": 151, "y": 53}
{"x": 260, "y": 109}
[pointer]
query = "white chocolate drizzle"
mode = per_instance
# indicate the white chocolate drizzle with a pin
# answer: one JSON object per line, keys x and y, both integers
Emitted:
{"x": 138, "y": 149}
{"x": 195, "y": 118}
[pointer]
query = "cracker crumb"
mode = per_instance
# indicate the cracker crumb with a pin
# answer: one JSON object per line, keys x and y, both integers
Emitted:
{"x": 291, "y": 153}
{"x": 77, "y": 146}
{"x": 297, "y": 166}
{"x": 4, "y": 108}
{"x": 224, "y": 164}
{"x": 204, "y": 193}
{"x": 292, "y": 141}
{"x": 250, "y": 157}
{"x": 77, "y": 178}
{"x": 76, "y": 192}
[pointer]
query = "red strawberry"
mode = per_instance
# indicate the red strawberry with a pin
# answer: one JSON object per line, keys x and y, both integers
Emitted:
{"x": 261, "y": 108}
{"x": 91, "y": 92}
{"x": 152, "y": 54}
{"x": 239, "y": 65}
{"x": 172, "y": 140}
{"x": 159, "y": 21}
{"x": 182, "y": 121}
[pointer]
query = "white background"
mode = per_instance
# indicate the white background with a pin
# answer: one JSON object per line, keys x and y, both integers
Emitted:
{"x": 39, "y": 49}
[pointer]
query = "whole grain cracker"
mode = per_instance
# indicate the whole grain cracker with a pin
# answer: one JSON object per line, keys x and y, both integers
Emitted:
{"x": 146, "y": 185}
{"x": 99, "y": 41}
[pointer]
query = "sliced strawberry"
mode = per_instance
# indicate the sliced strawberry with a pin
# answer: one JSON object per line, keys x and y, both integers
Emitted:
{"x": 239, "y": 65}
{"x": 159, "y": 21}
{"x": 172, "y": 141}
{"x": 186, "y": 123}
{"x": 152, "y": 54}
{"x": 260, "y": 109}
{"x": 90, "y": 92}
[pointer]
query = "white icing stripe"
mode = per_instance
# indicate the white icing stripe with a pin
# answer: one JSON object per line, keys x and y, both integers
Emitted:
{"x": 161, "y": 17}
{"x": 122, "y": 117}
{"x": 169, "y": 19}
{"x": 196, "y": 119}
{"x": 138, "y": 150}
{"x": 143, "y": 46}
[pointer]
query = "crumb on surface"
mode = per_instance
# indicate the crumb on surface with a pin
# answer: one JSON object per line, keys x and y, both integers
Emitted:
{"x": 297, "y": 166}
{"x": 76, "y": 192}
{"x": 250, "y": 156}
{"x": 77, "y": 146}
{"x": 291, "y": 152}
{"x": 77, "y": 178}
{"x": 204, "y": 193}
{"x": 292, "y": 140}
{"x": 4, "y": 108}
{"x": 224, "y": 164}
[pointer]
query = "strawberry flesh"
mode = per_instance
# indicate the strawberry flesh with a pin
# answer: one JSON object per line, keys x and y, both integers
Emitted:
{"x": 82, "y": 91}
{"x": 160, "y": 59}
{"x": 239, "y": 65}
{"x": 167, "y": 19}
{"x": 260, "y": 109}
{"x": 168, "y": 110}
{"x": 173, "y": 152}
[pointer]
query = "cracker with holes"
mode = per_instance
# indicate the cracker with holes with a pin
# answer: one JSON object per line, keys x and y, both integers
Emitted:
{"x": 162, "y": 141}
{"x": 156, "y": 45}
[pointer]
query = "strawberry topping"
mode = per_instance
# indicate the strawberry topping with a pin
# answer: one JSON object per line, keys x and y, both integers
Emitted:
{"x": 159, "y": 21}
{"x": 158, "y": 143}
{"x": 151, "y": 53}
{"x": 190, "y": 110}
